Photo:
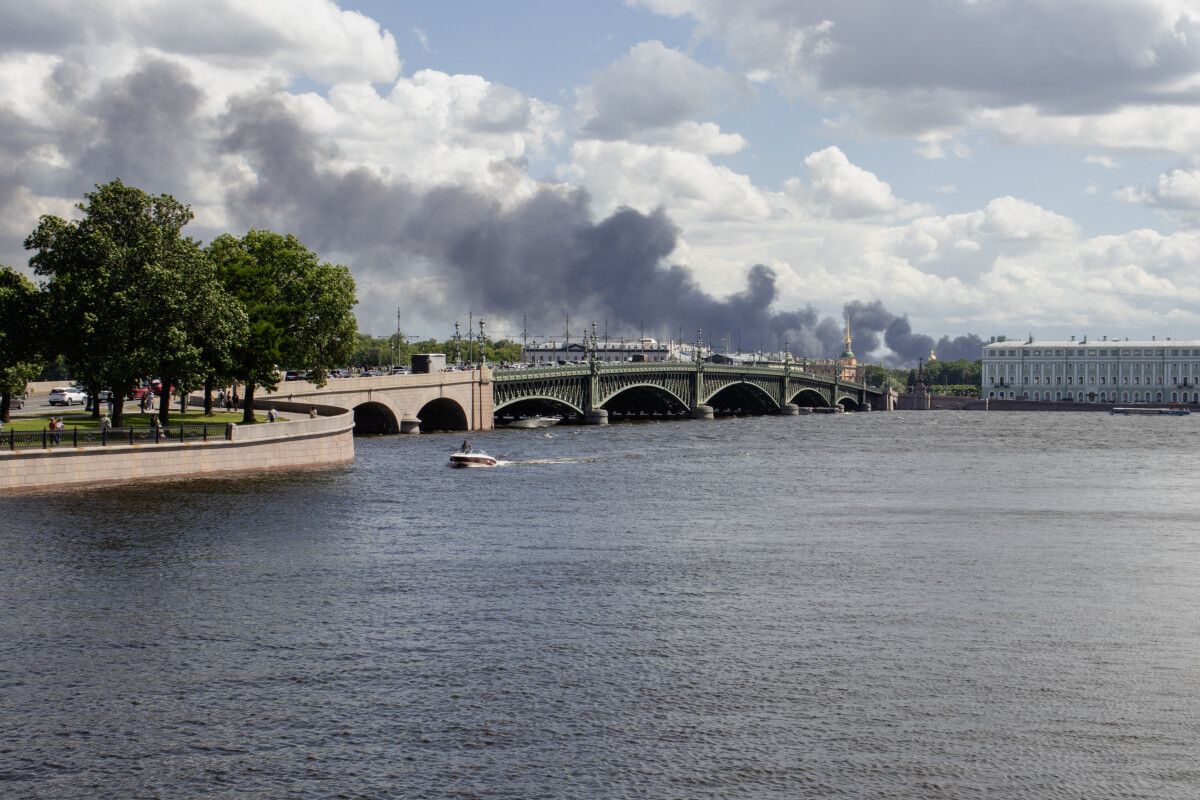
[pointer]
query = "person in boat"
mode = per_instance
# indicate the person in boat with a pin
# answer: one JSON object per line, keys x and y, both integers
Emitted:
{"x": 466, "y": 447}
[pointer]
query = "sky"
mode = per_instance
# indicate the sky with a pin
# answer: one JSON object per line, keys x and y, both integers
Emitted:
{"x": 943, "y": 171}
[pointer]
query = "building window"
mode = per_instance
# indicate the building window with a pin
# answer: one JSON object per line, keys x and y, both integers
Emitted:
{"x": 1125, "y": 397}
{"x": 1059, "y": 381}
{"x": 1102, "y": 379}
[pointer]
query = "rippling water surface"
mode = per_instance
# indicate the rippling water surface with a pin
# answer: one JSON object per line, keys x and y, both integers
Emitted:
{"x": 905, "y": 605}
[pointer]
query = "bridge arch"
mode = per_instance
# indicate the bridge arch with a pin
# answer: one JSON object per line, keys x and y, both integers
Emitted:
{"x": 443, "y": 414}
{"x": 376, "y": 417}
{"x": 644, "y": 397}
{"x": 538, "y": 404}
{"x": 849, "y": 403}
{"x": 742, "y": 396}
{"x": 810, "y": 398}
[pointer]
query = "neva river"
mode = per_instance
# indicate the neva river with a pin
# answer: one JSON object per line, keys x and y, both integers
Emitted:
{"x": 905, "y": 605}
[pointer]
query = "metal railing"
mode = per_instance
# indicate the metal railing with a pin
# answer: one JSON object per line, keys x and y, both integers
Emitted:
{"x": 47, "y": 439}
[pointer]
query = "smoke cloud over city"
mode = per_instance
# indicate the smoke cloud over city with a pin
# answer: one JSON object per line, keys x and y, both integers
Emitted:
{"x": 542, "y": 257}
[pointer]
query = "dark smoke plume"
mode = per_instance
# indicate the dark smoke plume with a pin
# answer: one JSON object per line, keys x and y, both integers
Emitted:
{"x": 868, "y": 320}
{"x": 544, "y": 256}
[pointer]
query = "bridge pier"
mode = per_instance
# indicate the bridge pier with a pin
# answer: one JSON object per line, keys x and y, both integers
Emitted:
{"x": 597, "y": 416}
{"x": 789, "y": 410}
{"x": 702, "y": 412}
{"x": 410, "y": 424}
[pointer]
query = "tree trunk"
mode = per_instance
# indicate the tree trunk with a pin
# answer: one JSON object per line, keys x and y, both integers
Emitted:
{"x": 248, "y": 405}
{"x": 94, "y": 404}
{"x": 164, "y": 403}
{"x": 118, "y": 415}
{"x": 208, "y": 401}
{"x": 5, "y": 405}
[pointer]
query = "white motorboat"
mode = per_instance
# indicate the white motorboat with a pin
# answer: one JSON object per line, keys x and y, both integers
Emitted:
{"x": 473, "y": 458}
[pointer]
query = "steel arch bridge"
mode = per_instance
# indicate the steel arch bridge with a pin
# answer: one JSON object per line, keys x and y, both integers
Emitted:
{"x": 595, "y": 388}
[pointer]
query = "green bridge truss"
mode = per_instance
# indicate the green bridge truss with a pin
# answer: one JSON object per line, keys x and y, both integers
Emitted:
{"x": 671, "y": 388}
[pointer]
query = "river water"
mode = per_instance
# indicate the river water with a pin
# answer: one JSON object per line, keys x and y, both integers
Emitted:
{"x": 904, "y": 605}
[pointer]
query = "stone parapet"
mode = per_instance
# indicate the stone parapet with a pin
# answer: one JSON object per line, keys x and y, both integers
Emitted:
{"x": 323, "y": 441}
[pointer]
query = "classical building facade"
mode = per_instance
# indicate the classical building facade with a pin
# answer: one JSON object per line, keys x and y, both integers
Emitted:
{"x": 1091, "y": 371}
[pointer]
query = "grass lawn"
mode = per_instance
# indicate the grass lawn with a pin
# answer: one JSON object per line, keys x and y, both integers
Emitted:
{"x": 83, "y": 419}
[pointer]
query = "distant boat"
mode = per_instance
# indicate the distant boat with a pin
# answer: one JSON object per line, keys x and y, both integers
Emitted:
{"x": 475, "y": 458}
{"x": 1157, "y": 412}
{"x": 534, "y": 422}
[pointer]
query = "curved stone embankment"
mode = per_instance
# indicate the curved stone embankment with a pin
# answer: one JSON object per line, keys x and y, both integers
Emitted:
{"x": 325, "y": 440}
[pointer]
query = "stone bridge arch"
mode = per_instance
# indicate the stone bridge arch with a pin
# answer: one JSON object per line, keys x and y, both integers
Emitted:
{"x": 443, "y": 414}
{"x": 376, "y": 415}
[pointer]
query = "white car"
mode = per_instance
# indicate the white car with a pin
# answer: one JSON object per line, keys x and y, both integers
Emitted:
{"x": 67, "y": 396}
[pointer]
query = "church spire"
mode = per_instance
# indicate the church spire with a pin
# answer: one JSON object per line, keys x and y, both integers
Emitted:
{"x": 848, "y": 353}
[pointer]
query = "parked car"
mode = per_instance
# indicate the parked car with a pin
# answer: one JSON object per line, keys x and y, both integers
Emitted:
{"x": 67, "y": 396}
{"x": 137, "y": 393}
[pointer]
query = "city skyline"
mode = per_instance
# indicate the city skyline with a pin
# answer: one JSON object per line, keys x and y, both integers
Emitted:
{"x": 944, "y": 171}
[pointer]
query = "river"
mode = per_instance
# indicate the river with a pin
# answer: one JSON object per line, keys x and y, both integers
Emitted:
{"x": 903, "y": 605}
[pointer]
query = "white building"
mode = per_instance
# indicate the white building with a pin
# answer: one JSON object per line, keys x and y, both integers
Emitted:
{"x": 644, "y": 349}
{"x": 1093, "y": 371}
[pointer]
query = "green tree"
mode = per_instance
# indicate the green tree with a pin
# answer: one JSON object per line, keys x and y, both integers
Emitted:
{"x": 131, "y": 294}
{"x": 299, "y": 310}
{"x": 114, "y": 277}
{"x": 21, "y": 330}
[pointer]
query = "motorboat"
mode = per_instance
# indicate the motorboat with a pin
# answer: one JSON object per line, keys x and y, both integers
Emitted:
{"x": 472, "y": 458}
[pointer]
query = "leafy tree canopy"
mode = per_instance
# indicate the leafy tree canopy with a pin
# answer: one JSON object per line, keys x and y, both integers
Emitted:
{"x": 132, "y": 296}
{"x": 299, "y": 310}
{"x": 21, "y": 330}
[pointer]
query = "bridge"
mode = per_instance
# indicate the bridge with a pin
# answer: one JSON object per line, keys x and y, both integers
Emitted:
{"x": 598, "y": 391}
{"x": 593, "y": 392}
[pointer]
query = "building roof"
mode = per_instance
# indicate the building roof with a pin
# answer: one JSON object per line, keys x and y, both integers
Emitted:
{"x": 1091, "y": 343}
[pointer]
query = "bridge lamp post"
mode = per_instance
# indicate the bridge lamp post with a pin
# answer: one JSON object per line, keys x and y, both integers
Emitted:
{"x": 482, "y": 345}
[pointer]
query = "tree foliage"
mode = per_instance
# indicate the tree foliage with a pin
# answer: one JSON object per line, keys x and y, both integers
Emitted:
{"x": 299, "y": 310}
{"x": 132, "y": 296}
{"x": 21, "y": 330}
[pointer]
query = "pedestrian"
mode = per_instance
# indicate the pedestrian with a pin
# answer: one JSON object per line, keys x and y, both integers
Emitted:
{"x": 105, "y": 423}
{"x": 312, "y": 412}
{"x": 228, "y": 403}
{"x": 142, "y": 401}
{"x": 57, "y": 426}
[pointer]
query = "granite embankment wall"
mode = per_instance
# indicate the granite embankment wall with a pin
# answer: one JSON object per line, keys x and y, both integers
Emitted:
{"x": 325, "y": 440}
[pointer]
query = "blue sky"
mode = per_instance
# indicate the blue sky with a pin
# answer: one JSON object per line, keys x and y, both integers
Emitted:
{"x": 949, "y": 169}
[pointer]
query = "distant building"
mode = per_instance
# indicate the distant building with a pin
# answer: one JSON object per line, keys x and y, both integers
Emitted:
{"x": 643, "y": 349}
{"x": 1086, "y": 371}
